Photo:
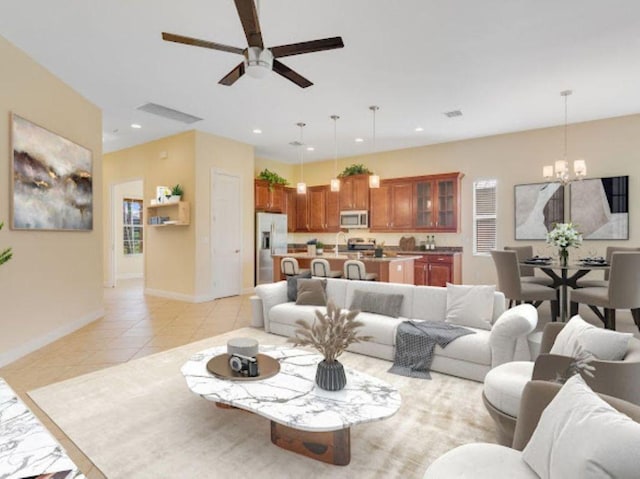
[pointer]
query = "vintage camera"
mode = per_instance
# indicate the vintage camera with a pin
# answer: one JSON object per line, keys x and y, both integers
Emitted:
{"x": 245, "y": 365}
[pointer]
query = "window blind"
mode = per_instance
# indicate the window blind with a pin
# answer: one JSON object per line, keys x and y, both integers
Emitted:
{"x": 485, "y": 233}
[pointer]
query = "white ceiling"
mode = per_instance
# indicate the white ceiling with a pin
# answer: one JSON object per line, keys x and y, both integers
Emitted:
{"x": 502, "y": 62}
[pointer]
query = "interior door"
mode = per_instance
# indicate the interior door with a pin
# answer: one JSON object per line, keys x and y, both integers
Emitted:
{"x": 226, "y": 235}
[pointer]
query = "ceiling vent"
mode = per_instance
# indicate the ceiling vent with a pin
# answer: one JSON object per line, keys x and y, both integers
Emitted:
{"x": 169, "y": 113}
{"x": 453, "y": 113}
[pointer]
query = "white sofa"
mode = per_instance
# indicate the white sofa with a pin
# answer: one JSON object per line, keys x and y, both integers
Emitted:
{"x": 470, "y": 356}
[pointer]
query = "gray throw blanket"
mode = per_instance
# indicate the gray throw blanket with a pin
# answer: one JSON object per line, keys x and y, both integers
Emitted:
{"x": 415, "y": 341}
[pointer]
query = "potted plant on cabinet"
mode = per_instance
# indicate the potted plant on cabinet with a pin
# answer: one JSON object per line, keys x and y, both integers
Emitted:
{"x": 331, "y": 333}
{"x": 176, "y": 194}
{"x": 272, "y": 178}
{"x": 355, "y": 169}
{"x": 319, "y": 247}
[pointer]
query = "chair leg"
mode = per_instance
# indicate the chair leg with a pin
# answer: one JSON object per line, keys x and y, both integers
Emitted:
{"x": 554, "y": 309}
{"x": 573, "y": 309}
{"x": 610, "y": 318}
{"x": 636, "y": 316}
{"x": 510, "y": 304}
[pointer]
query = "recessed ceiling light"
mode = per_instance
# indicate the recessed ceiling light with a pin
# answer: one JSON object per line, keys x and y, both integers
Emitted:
{"x": 257, "y": 131}
{"x": 419, "y": 128}
{"x": 136, "y": 126}
{"x": 310, "y": 148}
{"x": 359, "y": 140}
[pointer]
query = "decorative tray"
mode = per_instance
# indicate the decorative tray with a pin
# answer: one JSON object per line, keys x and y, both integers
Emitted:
{"x": 219, "y": 367}
{"x": 592, "y": 262}
{"x": 538, "y": 260}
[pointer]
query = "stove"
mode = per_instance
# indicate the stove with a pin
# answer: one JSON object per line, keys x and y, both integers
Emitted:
{"x": 361, "y": 244}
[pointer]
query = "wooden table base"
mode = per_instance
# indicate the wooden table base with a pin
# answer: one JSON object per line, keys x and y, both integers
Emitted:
{"x": 332, "y": 447}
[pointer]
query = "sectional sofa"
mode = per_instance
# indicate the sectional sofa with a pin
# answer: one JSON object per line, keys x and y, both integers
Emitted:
{"x": 470, "y": 356}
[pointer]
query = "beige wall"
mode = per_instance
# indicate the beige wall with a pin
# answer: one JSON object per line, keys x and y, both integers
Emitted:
{"x": 169, "y": 251}
{"x": 130, "y": 265}
{"x": 235, "y": 159}
{"x": 611, "y": 147}
{"x": 53, "y": 284}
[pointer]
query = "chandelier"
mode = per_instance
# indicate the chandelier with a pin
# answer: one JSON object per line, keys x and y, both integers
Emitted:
{"x": 560, "y": 170}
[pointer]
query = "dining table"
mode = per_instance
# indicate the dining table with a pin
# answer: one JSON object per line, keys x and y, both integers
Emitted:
{"x": 568, "y": 276}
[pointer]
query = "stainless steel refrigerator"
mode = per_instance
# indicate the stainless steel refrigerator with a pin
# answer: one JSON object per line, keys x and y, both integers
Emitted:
{"x": 271, "y": 238}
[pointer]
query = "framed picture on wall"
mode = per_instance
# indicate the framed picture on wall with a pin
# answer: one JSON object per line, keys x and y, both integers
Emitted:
{"x": 52, "y": 184}
{"x": 600, "y": 207}
{"x": 538, "y": 207}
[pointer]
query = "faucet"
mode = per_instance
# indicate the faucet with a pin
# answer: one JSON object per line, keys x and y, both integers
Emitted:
{"x": 344, "y": 235}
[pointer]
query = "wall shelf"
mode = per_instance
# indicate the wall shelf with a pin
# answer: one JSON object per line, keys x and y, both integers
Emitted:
{"x": 178, "y": 213}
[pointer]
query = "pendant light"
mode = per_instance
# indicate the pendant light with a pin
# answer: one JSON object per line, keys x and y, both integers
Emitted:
{"x": 335, "y": 181}
{"x": 561, "y": 167}
{"x": 301, "y": 188}
{"x": 374, "y": 180}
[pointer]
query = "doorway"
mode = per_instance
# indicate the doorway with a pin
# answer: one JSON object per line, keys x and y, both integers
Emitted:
{"x": 126, "y": 245}
{"x": 226, "y": 234}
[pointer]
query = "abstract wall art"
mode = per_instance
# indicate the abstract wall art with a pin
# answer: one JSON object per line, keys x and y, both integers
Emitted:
{"x": 51, "y": 180}
{"x": 600, "y": 207}
{"x": 537, "y": 208}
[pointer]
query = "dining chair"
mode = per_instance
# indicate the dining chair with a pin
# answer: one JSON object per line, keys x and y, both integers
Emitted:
{"x": 527, "y": 274}
{"x": 320, "y": 267}
{"x": 354, "y": 269}
{"x": 515, "y": 290}
{"x": 290, "y": 267}
{"x": 622, "y": 291}
{"x": 588, "y": 283}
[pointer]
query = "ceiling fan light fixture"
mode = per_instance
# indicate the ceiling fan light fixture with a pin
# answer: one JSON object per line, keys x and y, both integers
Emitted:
{"x": 258, "y": 62}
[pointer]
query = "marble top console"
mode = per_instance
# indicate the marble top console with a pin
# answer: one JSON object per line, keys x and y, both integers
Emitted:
{"x": 27, "y": 449}
{"x": 291, "y": 397}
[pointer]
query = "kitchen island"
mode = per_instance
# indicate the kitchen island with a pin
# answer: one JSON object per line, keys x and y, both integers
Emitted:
{"x": 394, "y": 269}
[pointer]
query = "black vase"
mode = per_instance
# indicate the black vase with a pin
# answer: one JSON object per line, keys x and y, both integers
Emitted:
{"x": 330, "y": 376}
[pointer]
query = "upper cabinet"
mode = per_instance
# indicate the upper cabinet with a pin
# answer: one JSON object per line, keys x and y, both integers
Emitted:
{"x": 269, "y": 198}
{"x": 437, "y": 203}
{"x": 290, "y": 208}
{"x": 392, "y": 206}
{"x": 321, "y": 210}
{"x": 354, "y": 192}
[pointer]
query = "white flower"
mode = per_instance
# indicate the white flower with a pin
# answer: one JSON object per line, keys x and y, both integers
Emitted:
{"x": 564, "y": 235}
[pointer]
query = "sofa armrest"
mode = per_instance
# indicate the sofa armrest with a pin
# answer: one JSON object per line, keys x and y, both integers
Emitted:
{"x": 535, "y": 397}
{"x": 271, "y": 294}
{"x": 511, "y": 325}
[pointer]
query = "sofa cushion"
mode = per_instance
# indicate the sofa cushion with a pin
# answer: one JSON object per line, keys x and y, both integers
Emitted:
{"x": 292, "y": 285}
{"x": 289, "y": 313}
{"x": 429, "y": 302}
{"x": 381, "y": 328}
{"x": 480, "y": 461}
{"x": 602, "y": 343}
{"x": 337, "y": 292}
{"x": 379, "y": 303}
{"x": 405, "y": 290}
{"x": 503, "y": 385}
{"x": 472, "y": 347}
{"x": 579, "y": 435}
{"x": 470, "y": 305}
{"x": 312, "y": 292}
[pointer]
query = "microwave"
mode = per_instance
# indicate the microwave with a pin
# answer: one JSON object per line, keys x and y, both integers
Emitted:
{"x": 354, "y": 219}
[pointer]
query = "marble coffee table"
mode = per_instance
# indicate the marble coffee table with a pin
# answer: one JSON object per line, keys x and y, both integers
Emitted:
{"x": 304, "y": 418}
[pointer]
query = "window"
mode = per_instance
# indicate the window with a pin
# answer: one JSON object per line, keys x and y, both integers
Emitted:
{"x": 484, "y": 217}
{"x": 132, "y": 226}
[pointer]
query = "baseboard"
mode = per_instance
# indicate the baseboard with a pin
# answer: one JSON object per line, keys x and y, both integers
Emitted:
{"x": 36, "y": 343}
{"x": 189, "y": 298}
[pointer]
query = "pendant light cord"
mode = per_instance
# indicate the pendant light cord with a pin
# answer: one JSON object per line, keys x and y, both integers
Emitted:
{"x": 335, "y": 144}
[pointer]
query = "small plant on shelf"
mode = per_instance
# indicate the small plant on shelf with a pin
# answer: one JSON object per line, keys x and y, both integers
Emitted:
{"x": 177, "y": 190}
{"x": 272, "y": 178}
{"x": 355, "y": 169}
{"x": 6, "y": 254}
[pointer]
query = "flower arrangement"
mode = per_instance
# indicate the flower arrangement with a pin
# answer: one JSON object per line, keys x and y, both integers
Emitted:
{"x": 331, "y": 332}
{"x": 564, "y": 236}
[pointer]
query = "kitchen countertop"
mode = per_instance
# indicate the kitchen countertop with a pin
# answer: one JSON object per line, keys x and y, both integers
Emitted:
{"x": 343, "y": 255}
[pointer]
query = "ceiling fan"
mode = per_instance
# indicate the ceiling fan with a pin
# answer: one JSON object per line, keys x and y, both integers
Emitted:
{"x": 258, "y": 60}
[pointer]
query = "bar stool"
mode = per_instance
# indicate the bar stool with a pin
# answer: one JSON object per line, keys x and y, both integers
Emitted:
{"x": 354, "y": 269}
{"x": 290, "y": 267}
{"x": 320, "y": 267}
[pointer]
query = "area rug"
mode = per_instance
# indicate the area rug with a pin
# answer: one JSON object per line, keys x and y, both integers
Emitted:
{"x": 139, "y": 420}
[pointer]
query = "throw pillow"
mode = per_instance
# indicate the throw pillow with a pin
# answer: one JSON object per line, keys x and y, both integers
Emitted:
{"x": 470, "y": 305}
{"x": 311, "y": 292}
{"x": 292, "y": 285}
{"x": 379, "y": 303}
{"x": 602, "y": 343}
{"x": 580, "y": 436}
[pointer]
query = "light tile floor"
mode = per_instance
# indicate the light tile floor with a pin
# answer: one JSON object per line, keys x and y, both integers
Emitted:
{"x": 134, "y": 325}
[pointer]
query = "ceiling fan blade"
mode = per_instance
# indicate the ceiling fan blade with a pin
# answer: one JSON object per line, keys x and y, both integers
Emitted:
{"x": 289, "y": 74}
{"x": 307, "y": 47}
{"x": 231, "y": 77}
{"x": 170, "y": 37}
{"x": 250, "y": 23}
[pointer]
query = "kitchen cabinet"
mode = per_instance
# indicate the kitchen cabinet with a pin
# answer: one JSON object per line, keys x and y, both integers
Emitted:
{"x": 322, "y": 210}
{"x": 333, "y": 211}
{"x": 302, "y": 212}
{"x": 269, "y": 198}
{"x": 392, "y": 206}
{"x": 438, "y": 270}
{"x": 354, "y": 192}
{"x": 290, "y": 208}
{"x": 437, "y": 203}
